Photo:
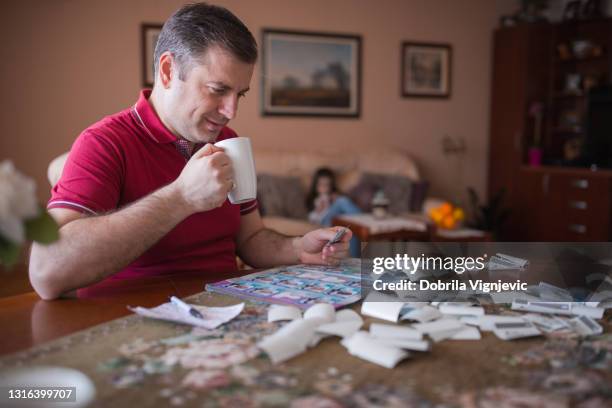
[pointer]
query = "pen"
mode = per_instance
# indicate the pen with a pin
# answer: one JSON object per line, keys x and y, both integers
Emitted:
{"x": 185, "y": 307}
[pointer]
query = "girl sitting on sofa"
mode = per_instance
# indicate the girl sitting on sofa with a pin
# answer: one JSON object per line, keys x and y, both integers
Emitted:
{"x": 324, "y": 202}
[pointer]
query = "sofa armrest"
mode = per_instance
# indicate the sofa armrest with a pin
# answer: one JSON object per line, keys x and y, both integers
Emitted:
{"x": 288, "y": 226}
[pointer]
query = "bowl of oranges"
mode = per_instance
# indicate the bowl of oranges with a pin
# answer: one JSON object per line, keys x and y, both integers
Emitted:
{"x": 447, "y": 215}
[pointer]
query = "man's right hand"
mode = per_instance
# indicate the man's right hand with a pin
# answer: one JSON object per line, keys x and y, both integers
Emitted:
{"x": 206, "y": 179}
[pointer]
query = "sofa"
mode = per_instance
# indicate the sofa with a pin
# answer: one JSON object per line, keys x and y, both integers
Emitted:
{"x": 293, "y": 172}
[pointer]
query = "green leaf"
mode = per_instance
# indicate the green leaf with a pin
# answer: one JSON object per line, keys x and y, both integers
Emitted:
{"x": 42, "y": 229}
{"x": 9, "y": 252}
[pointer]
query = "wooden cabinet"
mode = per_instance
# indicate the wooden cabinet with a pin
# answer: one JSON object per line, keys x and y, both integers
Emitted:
{"x": 581, "y": 61}
{"x": 520, "y": 62}
{"x": 557, "y": 204}
{"x": 547, "y": 203}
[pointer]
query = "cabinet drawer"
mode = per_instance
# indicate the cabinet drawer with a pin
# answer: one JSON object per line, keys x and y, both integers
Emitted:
{"x": 581, "y": 206}
{"x": 580, "y": 188}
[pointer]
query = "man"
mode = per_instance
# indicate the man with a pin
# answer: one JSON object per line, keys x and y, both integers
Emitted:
{"x": 144, "y": 191}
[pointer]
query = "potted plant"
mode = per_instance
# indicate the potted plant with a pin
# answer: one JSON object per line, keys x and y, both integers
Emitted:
{"x": 489, "y": 216}
{"x": 21, "y": 218}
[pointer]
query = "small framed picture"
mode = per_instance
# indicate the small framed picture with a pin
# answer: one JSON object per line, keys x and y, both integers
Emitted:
{"x": 426, "y": 70}
{"x": 311, "y": 74}
{"x": 148, "y": 35}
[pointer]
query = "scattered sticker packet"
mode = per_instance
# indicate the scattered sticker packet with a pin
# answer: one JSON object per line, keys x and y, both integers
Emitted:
{"x": 388, "y": 344}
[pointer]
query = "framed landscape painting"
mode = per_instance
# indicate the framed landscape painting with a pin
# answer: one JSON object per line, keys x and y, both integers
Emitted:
{"x": 311, "y": 74}
{"x": 426, "y": 70}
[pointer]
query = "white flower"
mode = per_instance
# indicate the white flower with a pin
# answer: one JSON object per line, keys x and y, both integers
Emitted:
{"x": 17, "y": 202}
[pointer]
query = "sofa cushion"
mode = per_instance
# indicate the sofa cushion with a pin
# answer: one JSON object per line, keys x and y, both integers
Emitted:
{"x": 281, "y": 196}
{"x": 418, "y": 195}
{"x": 398, "y": 190}
{"x": 288, "y": 226}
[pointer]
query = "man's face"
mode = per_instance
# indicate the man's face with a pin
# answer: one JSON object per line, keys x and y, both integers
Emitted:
{"x": 197, "y": 107}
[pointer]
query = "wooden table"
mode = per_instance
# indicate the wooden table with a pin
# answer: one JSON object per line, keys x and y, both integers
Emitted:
{"x": 365, "y": 235}
{"x": 27, "y": 320}
{"x": 448, "y": 372}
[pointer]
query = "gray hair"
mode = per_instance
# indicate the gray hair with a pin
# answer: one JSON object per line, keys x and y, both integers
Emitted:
{"x": 194, "y": 28}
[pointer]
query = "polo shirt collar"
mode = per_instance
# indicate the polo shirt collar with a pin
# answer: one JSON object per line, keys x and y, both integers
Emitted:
{"x": 148, "y": 118}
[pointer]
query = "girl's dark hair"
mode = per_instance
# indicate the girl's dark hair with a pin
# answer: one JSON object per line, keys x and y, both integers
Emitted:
{"x": 312, "y": 194}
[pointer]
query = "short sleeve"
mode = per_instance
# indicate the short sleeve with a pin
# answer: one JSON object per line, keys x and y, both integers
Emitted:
{"x": 92, "y": 176}
{"x": 248, "y": 207}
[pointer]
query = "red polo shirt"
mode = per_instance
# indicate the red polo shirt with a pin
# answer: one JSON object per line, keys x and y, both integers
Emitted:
{"x": 127, "y": 156}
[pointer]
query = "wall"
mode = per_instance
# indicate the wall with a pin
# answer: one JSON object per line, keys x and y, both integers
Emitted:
{"x": 67, "y": 63}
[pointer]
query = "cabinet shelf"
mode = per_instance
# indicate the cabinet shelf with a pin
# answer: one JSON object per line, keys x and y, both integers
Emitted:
{"x": 569, "y": 95}
{"x": 570, "y": 61}
{"x": 568, "y": 130}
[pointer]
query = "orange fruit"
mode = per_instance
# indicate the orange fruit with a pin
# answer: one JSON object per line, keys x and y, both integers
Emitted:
{"x": 458, "y": 214}
{"x": 448, "y": 222}
{"x": 435, "y": 215}
{"x": 446, "y": 208}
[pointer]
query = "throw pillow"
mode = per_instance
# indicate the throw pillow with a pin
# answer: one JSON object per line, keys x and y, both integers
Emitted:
{"x": 418, "y": 196}
{"x": 398, "y": 190}
{"x": 364, "y": 191}
{"x": 281, "y": 196}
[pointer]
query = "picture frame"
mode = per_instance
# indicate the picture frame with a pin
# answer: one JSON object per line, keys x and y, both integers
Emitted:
{"x": 149, "y": 32}
{"x": 426, "y": 70}
{"x": 305, "y": 73}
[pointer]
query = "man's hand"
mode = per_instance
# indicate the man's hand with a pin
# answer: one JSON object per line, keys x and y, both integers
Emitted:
{"x": 312, "y": 248}
{"x": 206, "y": 179}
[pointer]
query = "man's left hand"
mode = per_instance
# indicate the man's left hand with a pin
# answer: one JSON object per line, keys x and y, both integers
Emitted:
{"x": 313, "y": 248}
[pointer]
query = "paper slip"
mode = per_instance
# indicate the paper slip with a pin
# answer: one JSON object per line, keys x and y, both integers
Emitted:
{"x": 316, "y": 339}
{"x": 347, "y": 323}
{"x": 502, "y": 261}
{"x": 550, "y": 292}
{"x": 462, "y": 309}
{"x": 547, "y": 323}
{"x": 467, "y": 333}
{"x": 394, "y": 332}
{"x": 340, "y": 329}
{"x": 413, "y": 345}
{"x": 509, "y": 297}
{"x": 363, "y": 346}
{"x": 289, "y": 341}
{"x": 442, "y": 325}
{"x": 438, "y": 336}
{"x": 423, "y": 314}
{"x": 512, "y": 325}
{"x": 375, "y": 306}
{"x": 320, "y": 321}
{"x": 563, "y": 308}
{"x": 321, "y": 312}
{"x": 277, "y": 313}
{"x": 601, "y": 299}
{"x": 348, "y": 315}
{"x": 585, "y": 326}
{"x": 487, "y": 322}
{"x": 415, "y": 305}
{"x": 519, "y": 333}
{"x": 213, "y": 316}
{"x": 592, "y": 312}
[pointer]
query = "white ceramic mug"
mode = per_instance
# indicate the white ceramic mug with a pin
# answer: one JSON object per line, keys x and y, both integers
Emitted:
{"x": 245, "y": 179}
